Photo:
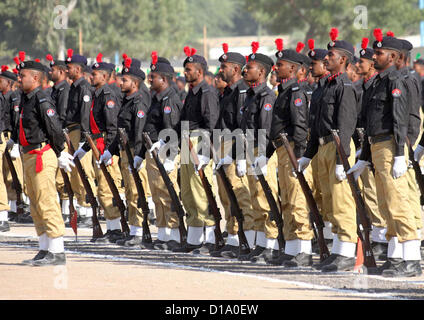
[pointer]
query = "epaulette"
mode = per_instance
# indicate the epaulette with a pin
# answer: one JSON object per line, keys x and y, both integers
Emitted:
{"x": 165, "y": 98}
{"x": 243, "y": 91}
{"x": 309, "y": 92}
{"x": 394, "y": 75}
{"x": 295, "y": 88}
{"x": 106, "y": 92}
{"x": 14, "y": 99}
{"x": 205, "y": 89}
{"x": 61, "y": 89}
{"x": 348, "y": 84}
{"x": 264, "y": 93}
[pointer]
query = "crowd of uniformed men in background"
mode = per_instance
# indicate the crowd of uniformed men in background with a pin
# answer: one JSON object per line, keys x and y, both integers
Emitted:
{"x": 377, "y": 92}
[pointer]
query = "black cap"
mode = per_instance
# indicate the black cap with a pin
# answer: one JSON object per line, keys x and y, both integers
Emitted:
{"x": 75, "y": 58}
{"x": 7, "y": 74}
{"x": 162, "y": 67}
{"x": 100, "y": 65}
{"x": 406, "y": 45}
{"x": 87, "y": 69}
{"x": 233, "y": 57}
{"x": 289, "y": 55}
{"x": 366, "y": 53}
{"x": 386, "y": 42}
{"x": 342, "y": 45}
{"x": 261, "y": 58}
{"x": 195, "y": 59}
{"x": 317, "y": 54}
{"x": 132, "y": 67}
{"x": 34, "y": 65}
{"x": 306, "y": 61}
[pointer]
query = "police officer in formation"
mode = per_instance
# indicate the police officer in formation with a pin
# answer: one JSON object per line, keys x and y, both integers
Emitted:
{"x": 376, "y": 105}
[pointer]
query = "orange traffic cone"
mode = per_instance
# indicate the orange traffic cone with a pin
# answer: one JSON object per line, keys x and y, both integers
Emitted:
{"x": 359, "y": 257}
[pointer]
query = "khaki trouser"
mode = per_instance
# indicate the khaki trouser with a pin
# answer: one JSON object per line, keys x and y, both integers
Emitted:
{"x": 135, "y": 214}
{"x": 337, "y": 196}
{"x": 7, "y": 176}
{"x": 4, "y": 203}
{"x": 401, "y": 219}
{"x": 87, "y": 165}
{"x": 60, "y": 185}
{"x": 241, "y": 190}
{"x": 192, "y": 193}
{"x": 293, "y": 202}
{"x": 165, "y": 217}
{"x": 260, "y": 218}
{"x": 45, "y": 209}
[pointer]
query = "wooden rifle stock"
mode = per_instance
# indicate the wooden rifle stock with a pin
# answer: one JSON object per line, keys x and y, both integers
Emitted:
{"x": 369, "y": 260}
{"x": 314, "y": 212}
{"x": 176, "y": 203}
{"x": 16, "y": 184}
{"x": 142, "y": 202}
{"x": 117, "y": 198}
{"x": 70, "y": 192}
{"x": 91, "y": 199}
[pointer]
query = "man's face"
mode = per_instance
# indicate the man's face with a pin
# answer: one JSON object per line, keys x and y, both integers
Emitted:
{"x": 3, "y": 84}
{"x": 283, "y": 69}
{"x": 191, "y": 73}
{"x": 118, "y": 80}
{"x": 219, "y": 83}
{"x": 419, "y": 68}
{"x": 332, "y": 60}
{"x": 98, "y": 78}
{"x": 126, "y": 84}
{"x": 73, "y": 70}
{"x": 180, "y": 85}
{"x": 27, "y": 80}
{"x": 317, "y": 68}
{"x": 382, "y": 59}
{"x": 364, "y": 66}
{"x": 55, "y": 73}
{"x": 252, "y": 72}
{"x": 156, "y": 81}
{"x": 226, "y": 70}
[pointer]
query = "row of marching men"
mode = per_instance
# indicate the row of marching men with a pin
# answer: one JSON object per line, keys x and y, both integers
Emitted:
{"x": 384, "y": 102}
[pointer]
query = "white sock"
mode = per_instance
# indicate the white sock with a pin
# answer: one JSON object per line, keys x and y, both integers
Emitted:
{"x": 150, "y": 203}
{"x": 136, "y": 231}
{"x": 88, "y": 212}
{"x": 65, "y": 207}
{"x": 43, "y": 242}
{"x": 378, "y": 234}
{"x": 395, "y": 249}
{"x": 419, "y": 234}
{"x": 292, "y": 247}
{"x": 175, "y": 234}
{"x": 272, "y": 244}
{"x": 114, "y": 224}
{"x": 3, "y": 215}
{"x": 12, "y": 205}
{"x": 56, "y": 245}
{"x": 327, "y": 230}
{"x": 233, "y": 240}
{"x": 260, "y": 239}
{"x": 250, "y": 236}
{"x": 210, "y": 234}
{"x": 82, "y": 211}
{"x": 411, "y": 250}
{"x": 162, "y": 234}
{"x": 195, "y": 235}
{"x": 305, "y": 246}
{"x": 335, "y": 249}
{"x": 26, "y": 199}
{"x": 347, "y": 249}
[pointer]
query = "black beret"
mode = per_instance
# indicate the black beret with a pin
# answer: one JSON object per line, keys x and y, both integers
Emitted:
{"x": 306, "y": 61}
{"x": 78, "y": 59}
{"x": 134, "y": 69}
{"x": 233, "y": 57}
{"x": 289, "y": 55}
{"x": 163, "y": 60}
{"x": 7, "y": 74}
{"x": 366, "y": 53}
{"x": 406, "y": 45}
{"x": 196, "y": 59}
{"x": 261, "y": 58}
{"x": 46, "y": 69}
{"x": 390, "y": 43}
{"x": 31, "y": 65}
{"x": 103, "y": 66}
{"x": 317, "y": 54}
{"x": 87, "y": 69}
{"x": 162, "y": 67}
{"x": 182, "y": 79}
{"x": 342, "y": 45}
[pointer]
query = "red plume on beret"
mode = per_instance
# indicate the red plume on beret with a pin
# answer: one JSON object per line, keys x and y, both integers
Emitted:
{"x": 128, "y": 62}
{"x": 22, "y": 56}
{"x": 99, "y": 57}
{"x": 279, "y": 44}
{"x": 37, "y": 60}
{"x": 154, "y": 56}
{"x": 15, "y": 71}
{"x": 70, "y": 53}
{"x": 16, "y": 59}
{"x": 4, "y": 68}
{"x": 124, "y": 56}
{"x": 311, "y": 44}
{"x": 225, "y": 47}
{"x": 300, "y": 47}
{"x": 193, "y": 51}
{"x": 255, "y": 46}
{"x": 334, "y": 33}
{"x": 247, "y": 59}
{"x": 187, "y": 51}
{"x": 364, "y": 43}
{"x": 390, "y": 34}
{"x": 49, "y": 57}
{"x": 378, "y": 34}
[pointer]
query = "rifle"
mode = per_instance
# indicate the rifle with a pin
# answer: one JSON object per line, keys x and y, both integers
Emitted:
{"x": 16, "y": 184}
{"x": 175, "y": 201}
{"x": 91, "y": 199}
{"x": 116, "y": 197}
{"x": 418, "y": 175}
{"x": 369, "y": 260}
{"x": 142, "y": 202}
{"x": 213, "y": 206}
{"x": 235, "y": 207}
{"x": 314, "y": 212}
{"x": 274, "y": 214}
{"x": 70, "y": 192}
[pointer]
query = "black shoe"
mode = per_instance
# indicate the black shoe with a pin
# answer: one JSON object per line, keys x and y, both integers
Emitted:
{"x": 135, "y": 241}
{"x": 11, "y": 216}
{"x": 393, "y": 268}
{"x": 266, "y": 255}
{"x": 327, "y": 261}
{"x": 24, "y": 218}
{"x": 300, "y": 260}
{"x": 256, "y": 252}
{"x": 205, "y": 249}
{"x": 379, "y": 250}
{"x": 186, "y": 248}
{"x": 227, "y": 251}
{"x": 412, "y": 268}
{"x": 166, "y": 245}
{"x": 121, "y": 242}
{"x": 341, "y": 263}
{"x": 111, "y": 236}
{"x": 225, "y": 234}
{"x": 40, "y": 255}
{"x": 4, "y": 226}
{"x": 278, "y": 261}
{"x": 51, "y": 259}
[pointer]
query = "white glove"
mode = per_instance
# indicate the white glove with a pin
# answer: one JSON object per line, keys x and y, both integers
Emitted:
{"x": 358, "y": 153}
{"x": 418, "y": 153}
{"x": 9, "y": 144}
{"x": 303, "y": 163}
{"x": 260, "y": 163}
{"x": 14, "y": 153}
{"x": 399, "y": 167}
{"x": 138, "y": 163}
{"x": 224, "y": 161}
{"x": 358, "y": 168}
{"x": 106, "y": 158}
{"x": 80, "y": 153}
{"x": 169, "y": 165}
{"x": 157, "y": 145}
{"x": 203, "y": 161}
{"x": 340, "y": 173}
{"x": 65, "y": 161}
{"x": 241, "y": 168}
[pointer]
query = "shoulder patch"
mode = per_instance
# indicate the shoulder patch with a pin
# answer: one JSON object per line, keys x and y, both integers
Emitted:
{"x": 268, "y": 107}
{"x": 50, "y": 112}
{"x": 86, "y": 98}
{"x": 110, "y": 104}
{"x": 396, "y": 93}
{"x": 16, "y": 108}
{"x": 298, "y": 102}
{"x": 167, "y": 109}
{"x": 140, "y": 114}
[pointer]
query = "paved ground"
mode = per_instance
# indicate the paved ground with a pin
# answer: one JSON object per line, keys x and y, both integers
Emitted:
{"x": 113, "y": 272}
